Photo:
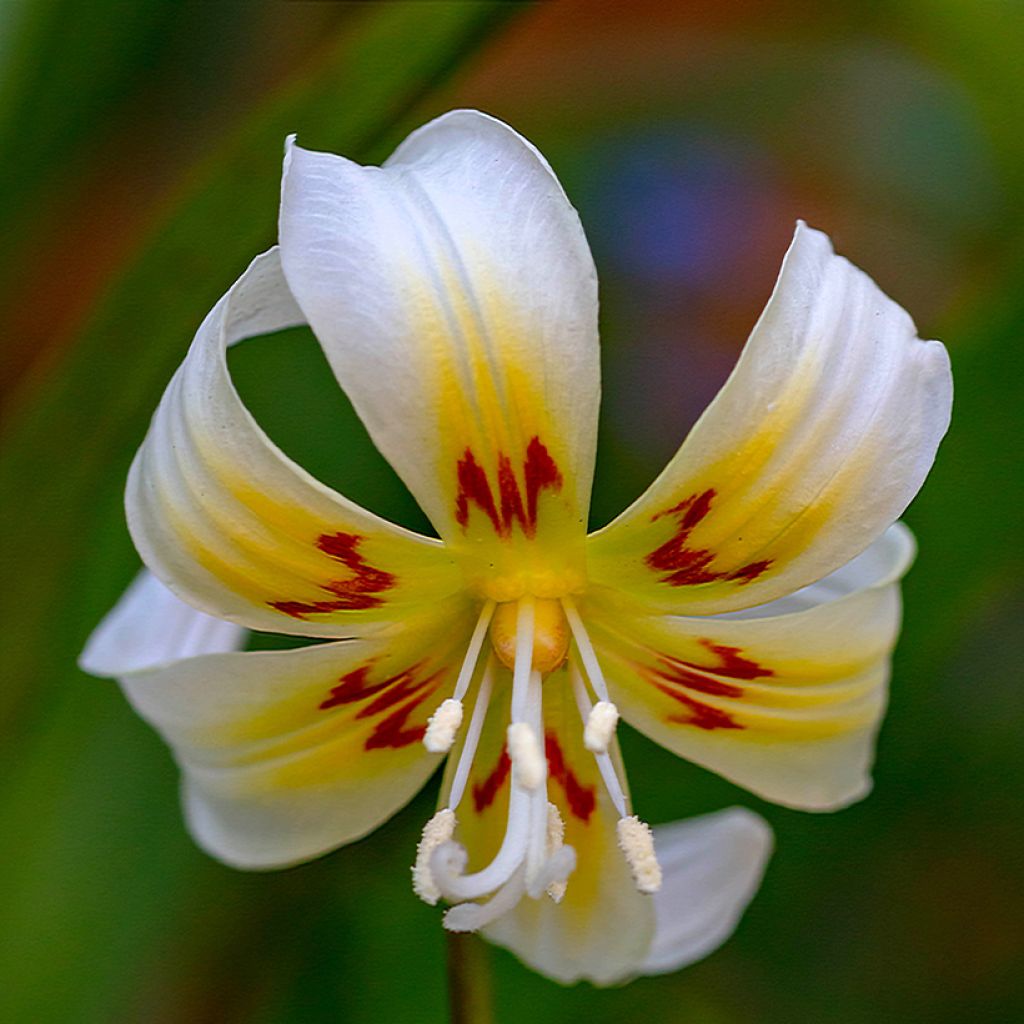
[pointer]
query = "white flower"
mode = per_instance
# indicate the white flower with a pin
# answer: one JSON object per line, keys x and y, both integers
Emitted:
{"x": 741, "y": 612}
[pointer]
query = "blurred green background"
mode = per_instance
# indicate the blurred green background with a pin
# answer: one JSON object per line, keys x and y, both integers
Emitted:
{"x": 141, "y": 151}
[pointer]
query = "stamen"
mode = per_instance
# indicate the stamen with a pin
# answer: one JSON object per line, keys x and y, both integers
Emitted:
{"x": 536, "y": 848}
{"x": 449, "y": 860}
{"x": 436, "y": 832}
{"x": 609, "y": 770}
{"x": 524, "y": 658}
{"x": 525, "y": 753}
{"x": 637, "y": 844}
{"x": 471, "y": 917}
{"x": 445, "y": 721}
{"x": 442, "y": 726}
{"x": 476, "y": 641}
{"x": 600, "y": 727}
{"x": 554, "y": 875}
{"x": 476, "y": 724}
{"x": 586, "y": 649}
{"x": 555, "y": 842}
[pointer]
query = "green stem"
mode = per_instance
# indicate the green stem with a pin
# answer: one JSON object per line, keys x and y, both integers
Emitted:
{"x": 470, "y": 994}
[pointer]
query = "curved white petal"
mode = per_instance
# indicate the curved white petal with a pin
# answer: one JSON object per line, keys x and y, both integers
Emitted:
{"x": 785, "y": 699}
{"x": 288, "y": 754}
{"x": 455, "y": 297}
{"x": 227, "y": 521}
{"x": 817, "y": 442}
{"x": 712, "y": 866}
{"x": 149, "y": 626}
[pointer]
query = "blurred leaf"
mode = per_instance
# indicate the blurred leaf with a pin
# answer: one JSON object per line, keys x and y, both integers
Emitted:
{"x": 97, "y": 869}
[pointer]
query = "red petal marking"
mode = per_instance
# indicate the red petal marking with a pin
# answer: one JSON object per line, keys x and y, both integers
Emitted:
{"x": 511, "y": 499}
{"x": 731, "y": 662}
{"x": 484, "y": 793}
{"x": 673, "y": 673}
{"x": 580, "y": 798}
{"x": 474, "y": 487}
{"x": 540, "y": 472}
{"x": 702, "y": 715}
{"x": 687, "y": 567}
{"x": 389, "y": 732}
{"x": 357, "y": 592}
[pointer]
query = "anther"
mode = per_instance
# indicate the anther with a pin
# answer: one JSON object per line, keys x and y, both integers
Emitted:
{"x": 442, "y": 726}
{"x": 600, "y": 727}
{"x": 436, "y": 833}
{"x": 555, "y": 837}
{"x": 636, "y": 841}
{"x": 526, "y": 756}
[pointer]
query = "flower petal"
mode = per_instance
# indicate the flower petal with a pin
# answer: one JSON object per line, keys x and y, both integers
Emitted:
{"x": 455, "y": 296}
{"x": 712, "y": 866}
{"x": 784, "y": 702}
{"x": 817, "y": 442}
{"x": 287, "y": 754}
{"x": 227, "y": 521}
{"x": 150, "y": 626}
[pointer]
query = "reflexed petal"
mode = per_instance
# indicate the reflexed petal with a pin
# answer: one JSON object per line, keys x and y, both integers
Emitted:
{"x": 603, "y": 928}
{"x": 150, "y": 626}
{"x": 287, "y": 754}
{"x": 712, "y": 868}
{"x": 817, "y": 442}
{"x": 236, "y": 528}
{"x": 456, "y": 299}
{"x": 785, "y": 699}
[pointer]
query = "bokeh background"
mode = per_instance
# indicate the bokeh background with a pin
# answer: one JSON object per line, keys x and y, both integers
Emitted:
{"x": 141, "y": 148}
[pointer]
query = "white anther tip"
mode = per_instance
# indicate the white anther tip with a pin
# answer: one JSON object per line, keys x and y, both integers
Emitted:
{"x": 436, "y": 833}
{"x": 636, "y": 841}
{"x": 600, "y": 727}
{"x": 526, "y": 756}
{"x": 442, "y": 726}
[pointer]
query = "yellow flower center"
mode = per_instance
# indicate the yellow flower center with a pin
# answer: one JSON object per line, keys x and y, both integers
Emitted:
{"x": 550, "y": 634}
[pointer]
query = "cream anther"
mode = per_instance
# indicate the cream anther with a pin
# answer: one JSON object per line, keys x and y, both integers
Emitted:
{"x": 555, "y": 837}
{"x": 526, "y": 756}
{"x": 442, "y": 726}
{"x": 636, "y": 841}
{"x": 436, "y": 833}
{"x": 600, "y": 727}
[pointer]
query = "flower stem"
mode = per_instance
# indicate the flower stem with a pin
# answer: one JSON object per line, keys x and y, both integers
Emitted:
{"x": 470, "y": 995}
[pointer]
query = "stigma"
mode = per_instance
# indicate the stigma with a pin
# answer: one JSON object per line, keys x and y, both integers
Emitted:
{"x": 550, "y": 634}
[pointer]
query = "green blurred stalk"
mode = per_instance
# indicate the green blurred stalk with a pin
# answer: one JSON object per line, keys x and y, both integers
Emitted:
{"x": 470, "y": 991}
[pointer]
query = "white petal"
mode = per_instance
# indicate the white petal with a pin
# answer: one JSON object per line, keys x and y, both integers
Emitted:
{"x": 288, "y": 754}
{"x": 785, "y": 699}
{"x": 149, "y": 626}
{"x": 455, "y": 296}
{"x": 237, "y": 529}
{"x": 712, "y": 868}
{"x": 817, "y": 442}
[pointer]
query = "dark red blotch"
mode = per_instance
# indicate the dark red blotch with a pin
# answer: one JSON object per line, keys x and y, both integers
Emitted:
{"x": 686, "y": 567}
{"x": 359, "y": 591}
{"x": 391, "y": 732}
{"x": 540, "y": 472}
